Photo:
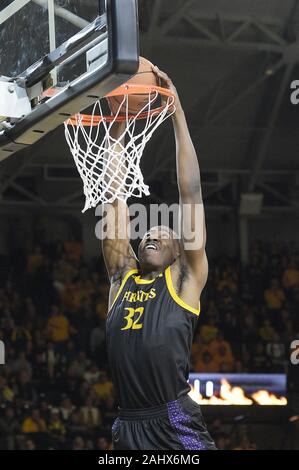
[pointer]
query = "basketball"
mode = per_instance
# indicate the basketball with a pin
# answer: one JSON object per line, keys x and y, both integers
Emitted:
{"x": 144, "y": 76}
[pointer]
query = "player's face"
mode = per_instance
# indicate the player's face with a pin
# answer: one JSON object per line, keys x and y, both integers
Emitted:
{"x": 158, "y": 248}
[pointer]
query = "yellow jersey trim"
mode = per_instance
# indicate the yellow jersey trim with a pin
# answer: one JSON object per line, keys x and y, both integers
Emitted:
{"x": 175, "y": 296}
{"x": 129, "y": 273}
{"x": 138, "y": 279}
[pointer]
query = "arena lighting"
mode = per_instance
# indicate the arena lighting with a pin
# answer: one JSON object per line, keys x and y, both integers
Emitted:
{"x": 239, "y": 389}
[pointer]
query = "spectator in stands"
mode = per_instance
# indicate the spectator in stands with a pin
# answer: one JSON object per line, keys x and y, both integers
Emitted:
{"x": 108, "y": 410}
{"x": 274, "y": 268}
{"x": 103, "y": 444}
{"x": 21, "y": 364}
{"x": 222, "y": 352}
{"x": 69, "y": 353}
{"x": 255, "y": 275}
{"x": 209, "y": 331}
{"x": 73, "y": 249}
{"x": 66, "y": 409}
{"x": 103, "y": 387}
{"x": 227, "y": 299}
{"x": 92, "y": 373}
{"x": 35, "y": 260}
{"x": 44, "y": 408}
{"x": 294, "y": 307}
{"x": 56, "y": 427}
{"x": 30, "y": 444}
{"x": 239, "y": 367}
{"x": 7, "y": 322}
{"x": 245, "y": 444}
{"x": 63, "y": 272}
{"x": 29, "y": 309}
{"x": 229, "y": 327}
{"x": 257, "y": 358}
{"x": 79, "y": 365}
{"x": 289, "y": 333}
{"x": 206, "y": 363}
{"x": 249, "y": 333}
{"x": 97, "y": 340}
{"x": 290, "y": 278}
{"x": 58, "y": 327}
{"x": 274, "y": 296}
{"x": 51, "y": 359}
{"x": 276, "y": 353}
{"x": 25, "y": 388}
{"x": 228, "y": 282}
{"x": 9, "y": 429}
{"x": 212, "y": 310}
{"x": 247, "y": 296}
{"x": 267, "y": 332}
{"x": 78, "y": 443}
{"x": 101, "y": 309}
{"x": 196, "y": 350}
{"x": 20, "y": 336}
{"x": 90, "y": 415}
{"x": 75, "y": 425}
{"x": 222, "y": 441}
{"x": 34, "y": 423}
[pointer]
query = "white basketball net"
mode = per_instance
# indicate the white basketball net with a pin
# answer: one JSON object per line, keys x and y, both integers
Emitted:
{"x": 110, "y": 168}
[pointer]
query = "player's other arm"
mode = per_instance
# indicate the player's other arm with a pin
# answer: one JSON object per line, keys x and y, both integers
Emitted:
{"x": 189, "y": 185}
{"x": 193, "y": 214}
{"x": 118, "y": 253}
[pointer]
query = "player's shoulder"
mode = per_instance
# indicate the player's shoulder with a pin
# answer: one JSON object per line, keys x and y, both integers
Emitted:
{"x": 117, "y": 283}
{"x": 119, "y": 279}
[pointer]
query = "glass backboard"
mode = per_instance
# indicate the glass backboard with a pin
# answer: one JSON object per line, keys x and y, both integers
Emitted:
{"x": 31, "y": 29}
{"x": 81, "y": 48}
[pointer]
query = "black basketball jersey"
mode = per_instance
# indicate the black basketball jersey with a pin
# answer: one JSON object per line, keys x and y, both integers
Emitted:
{"x": 149, "y": 334}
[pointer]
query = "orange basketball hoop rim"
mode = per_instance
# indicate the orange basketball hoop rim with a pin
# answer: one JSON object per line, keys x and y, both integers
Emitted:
{"x": 96, "y": 152}
{"x": 88, "y": 120}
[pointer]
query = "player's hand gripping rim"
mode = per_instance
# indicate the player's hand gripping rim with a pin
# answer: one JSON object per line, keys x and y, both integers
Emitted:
{"x": 166, "y": 82}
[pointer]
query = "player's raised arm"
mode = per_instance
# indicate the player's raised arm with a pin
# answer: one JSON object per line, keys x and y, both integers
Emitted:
{"x": 189, "y": 185}
{"x": 117, "y": 251}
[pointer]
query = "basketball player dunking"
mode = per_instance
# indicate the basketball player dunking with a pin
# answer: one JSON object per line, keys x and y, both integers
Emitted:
{"x": 154, "y": 308}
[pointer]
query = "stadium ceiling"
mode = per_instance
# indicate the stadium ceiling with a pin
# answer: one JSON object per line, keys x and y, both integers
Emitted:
{"x": 233, "y": 64}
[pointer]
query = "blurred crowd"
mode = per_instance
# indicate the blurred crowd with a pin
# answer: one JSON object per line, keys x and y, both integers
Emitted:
{"x": 250, "y": 315}
{"x": 55, "y": 389}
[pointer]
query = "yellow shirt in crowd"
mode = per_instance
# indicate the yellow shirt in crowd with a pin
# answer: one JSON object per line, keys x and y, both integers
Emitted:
{"x": 290, "y": 278}
{"x": 208, "y": 333}
{"x": 58, "y": 328}
{"x": 274, "y": 299}
{"x": 30, "y": 425}
{"x": 103, "y": 390}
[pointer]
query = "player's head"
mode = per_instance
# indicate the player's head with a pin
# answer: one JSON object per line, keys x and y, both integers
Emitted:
{"x": 159, "y": 248}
